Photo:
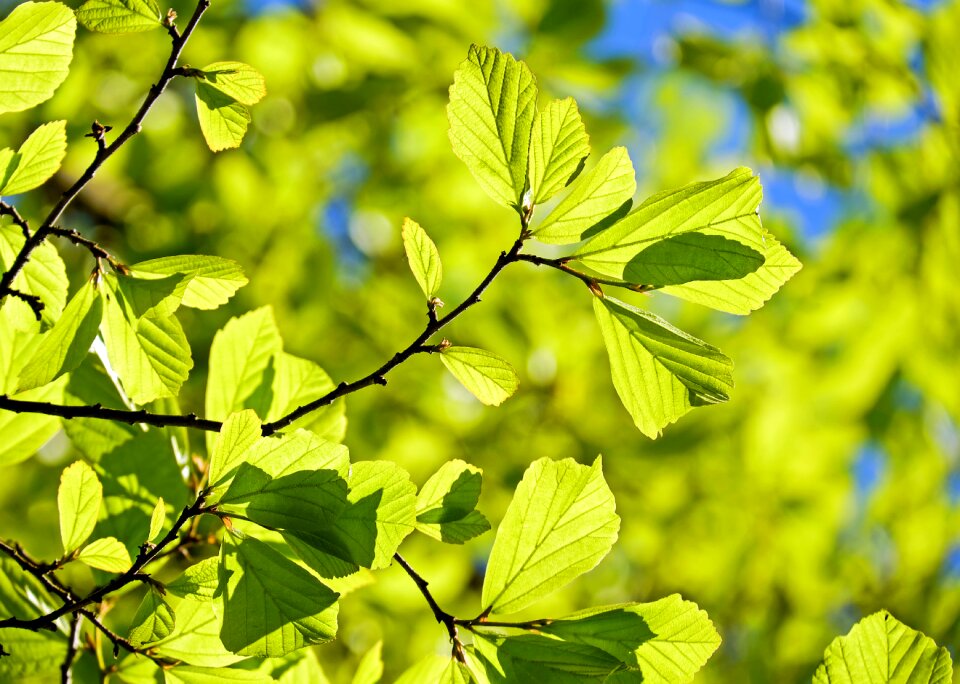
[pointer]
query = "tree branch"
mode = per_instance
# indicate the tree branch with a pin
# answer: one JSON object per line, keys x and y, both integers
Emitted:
{"x": 73, "y": 643}
{"x": 11, "y": 211}
{"x": 562, "y": 264}
{"x": 95, "y": 250}
{"x": 104, "y": 152}
{"x": 443, "y": 617}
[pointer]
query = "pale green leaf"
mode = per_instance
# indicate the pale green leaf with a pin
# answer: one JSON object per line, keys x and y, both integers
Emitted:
{"x": 491, "y": 110}
{"x": 149, "y": 353}
{"x": 296, "y": 382}
{"x": 157, "y": 518}
{"x": 35, "y": 656}
{"x": 239, "y": 355}
{"x": 370, "y": 669}
{"x": 191, "y": 674}
{"x": 659, "y": 371}
{"x": 726, "y": 207}
{"x": 21, "y": 434}
{"x": 44, "y": 274}
{"x": 213, "y": 280}
{"x": 62, "y": 348}
{"x": 437, "y": 670}
{"x": 558, "y": 147}
{"x": 535, "y": 658}
{"x": 36, "y": 46}
{"x": 271, "y": 605}
{"x": 196, "y": 635}
{"x": 119, "y": 16}
{"x": 380, "y": 513}
{"x": 423, "y": 257}
{"x": 668, "y": 640}
{"x": 236, "y": 80}
{"x": 881, "y": 649}
{"x": 223, "y": 120}
{"x": 595, "y": 199}
{"x": 153, "y": 621}
{"x": 38, "y": 158}
{"x": 487, "y": 376}
{"x": 107, "y": 554}
{"x": 239, "y": 432}
{"x": 198, "y": 582}
{"x": 446, "y": 503}
{"x": 150, "y": 296}
{"x": 78, "y": 500}
{"x": 561, "y": 522}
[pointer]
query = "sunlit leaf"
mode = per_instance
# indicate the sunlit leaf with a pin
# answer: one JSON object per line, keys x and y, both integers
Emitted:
{"x": 436, "y": 669}
{"x": 558, "y": 146}
{"x": 491, "y": 110}
{"x": 36, "y": 46}
{"x": 153, "y": 621}
{"x": 223, "y": 120}
{"x": 78, "y": 500}
{"x": 213, "y": 281}
{"x": 44, "y": 275}
{"x": 447, "y": 501}
{"x": 370, "y": 669}
{"x": 561, "y": 522}
{"x": 236, "y": 80}
{"x": 196, "y": 636}
{"x": 487, "y": 376}
{"x": 119, "y": 16}
{"x": 198, "y": 582}
{"x": 423, "y": 257}
{"x": 659, "y": 371}
{"x": 37, "y": 159}
{"x": 107, "y": 554}
{"x": 157, "y": 518}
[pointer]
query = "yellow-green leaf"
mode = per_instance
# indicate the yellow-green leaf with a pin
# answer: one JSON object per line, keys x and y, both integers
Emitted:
{"x": 487, "y": 376}
{"x": 423, "y": 257}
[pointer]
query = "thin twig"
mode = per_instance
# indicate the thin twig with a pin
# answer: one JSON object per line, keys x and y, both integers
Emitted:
{"x": 11, "y": 211}
{"x": 104, "y": 152}
{"x": 96, "y": 250}
{"x": 442, "y": 616}
{"x": 562, "y": 264}
{"x": 33, "y": 301}
{"x": 73, "y": 643}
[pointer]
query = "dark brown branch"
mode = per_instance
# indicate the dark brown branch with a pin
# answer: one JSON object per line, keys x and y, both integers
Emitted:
{"x": 33, "y": 301}
{"x": 442, "y": 616}
{"x": 104, "y": 152}
{"x": 103, "y": 413}
{"x": 73, "y": 643}
{"x": 11, "y": 211}
{"x": 95, "y": 250}
{"x": 146, "y": 555}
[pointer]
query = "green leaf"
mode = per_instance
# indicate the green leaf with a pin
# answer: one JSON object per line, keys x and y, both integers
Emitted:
{"x": 558, "y": 148}
{"x": 239, "y": 355}
{"x": 38, "y": 158}
{"x": 89, "y": 384}
{"x": 593, "y": 201}
{"x": 150, "y": 296}
{"x": 881, "y": 649}
{"x": 198, "y": 582}
{"x": 295, "y": 382}
{"x": 659, "y": 371}
{"x": 62, "y": 348}
{"x": 726, "y": 207}
{"x": 157, "y": 518}
{"x": 423, "y": 257}
{"x": 35, "y": 656}
{"x": 491, "y": 110}
{"x": 236, "y": 80}
{"x": 239, "y": 432}
{"x": 213, "y": 281}
{"x": 561, "y": 522}
{"x": 78, "y": 500}
{"x": 446, "y": 503}
{"x": 153, "y": 621}
{"x": 380, "y": 513}
{"x": 370, "y": 669}
{"x": 534, "y": 658}
{"x": 107, "y": 554}
{"x": 487, "y": 376}
{"x": 272, "y": 606}
{"x": 668, "y": 640}
{"x": 695, "y": 256}
{"x": 36, "y": 46}
{"x": 196, "y": 636}
{"x": 44, "y": 274}
{"x": 223, "y": 120}
{"x": 119, "y": 16}
{"x": 437, "y": 670}
{"x": 191, "y": 674}
{"x": 149, "y": 352}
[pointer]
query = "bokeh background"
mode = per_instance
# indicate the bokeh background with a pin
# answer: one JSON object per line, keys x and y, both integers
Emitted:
{"x": 826, "y": 489}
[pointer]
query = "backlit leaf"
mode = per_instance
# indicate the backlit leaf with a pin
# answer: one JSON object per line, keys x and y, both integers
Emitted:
{"x": 213, "y": 281}
{"x": 423, "y": 257}
{"x": 78, "y": 500}
{"x": 558, "y": 146}
{"x": 119, "y": 16}
{"x": 107, "y": 554}
{"x": 37, "y": 159}
{"x": 236, "y": 80}
{"x": 487, "y": 376}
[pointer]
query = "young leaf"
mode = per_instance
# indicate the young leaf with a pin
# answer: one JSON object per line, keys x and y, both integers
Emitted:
{"x": 150, "y": 352}
{"x": 119, "y": 16}
{"x": 595, "y": 196}
{"x": 157, "y": 518}
{"x": 726, "y": 207}
{"x": 491, "y": 110}
{"x": 271, "y": 605}
{"x": 881, "y": 649}
{"x": 558, "y": 147}
{"x": 37, "y": 159}
{"x": 668, "y": 640}
{"x": 487, "y": 376}
{"x": 36, "y": 46}
{"x": 153, "y": 621}
{"x": 446, "y": 503}
{"x": 561, "y": 522}
{"x": 423, "y": 257}
{"x": 62, "y": 348}
{"x": 223, "y": 120}
{"x": 659, "y": 371}
{"x": 108, "y": 554}
{"x": 239, "y": 355}
{"x": 236, "y": 80}
{"x": 213, "y": 281}
{"x": 240, "y": 431}
{"x": 78, "y": 500}
{"x": 198, "y": 582}
{"x": 44, "y": 275}
{"x": 370, "y": 669}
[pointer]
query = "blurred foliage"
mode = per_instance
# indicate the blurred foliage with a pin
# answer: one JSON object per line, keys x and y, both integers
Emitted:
{"x": 826, "y": 489}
